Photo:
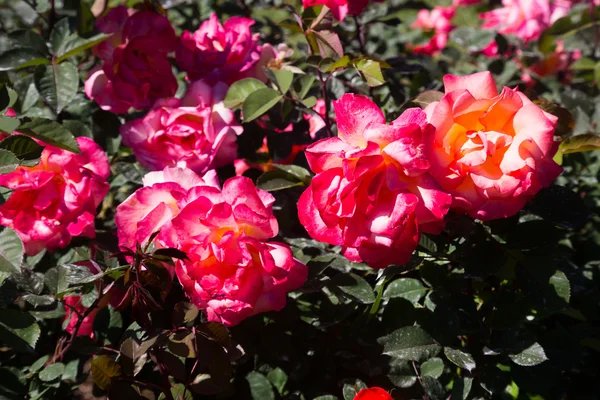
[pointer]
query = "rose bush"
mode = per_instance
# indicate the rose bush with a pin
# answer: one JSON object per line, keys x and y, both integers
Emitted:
{"x": 310, "y": 199}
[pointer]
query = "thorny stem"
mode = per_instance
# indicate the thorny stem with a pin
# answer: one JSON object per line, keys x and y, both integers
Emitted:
{"x": 64, "y": 349}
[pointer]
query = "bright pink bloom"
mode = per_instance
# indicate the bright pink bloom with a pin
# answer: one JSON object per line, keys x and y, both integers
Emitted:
{"x": 493, "y": 152}
{"x": 457, "y": 3}
{"x": 198, "y": 132}
{"x": 339, "y": 8}
{"x": 372, "y": 194}
{"x": 374, "y": 393}
{"x": 526, "y": 19}
{"x": 316, "y": 122}
{"x": 233, "y": 272}
{"x": 227, "y": 52}
{"x": 73, "y": 310}
{"x": 57, "y": 199}
{"x": 152, "y": 207}
{"x": 437, "y": 20}
{"x": 136, "y": 70}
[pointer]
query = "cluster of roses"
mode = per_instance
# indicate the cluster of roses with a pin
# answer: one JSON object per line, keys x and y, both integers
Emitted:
{"x": 525, "y": 19}
{"x": 377, "y": 185}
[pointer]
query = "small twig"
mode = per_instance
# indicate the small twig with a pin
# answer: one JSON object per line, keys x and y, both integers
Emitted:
{"x": 360, "y": 35}
{"x": 327, "y": 106}
{"x": 425, "y": 397}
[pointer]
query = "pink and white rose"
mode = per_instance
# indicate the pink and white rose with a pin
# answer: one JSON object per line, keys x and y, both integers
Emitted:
{"x": 56, "y": 200}
{"x": 197, "y": 132}
{"x": 372, "y": 194}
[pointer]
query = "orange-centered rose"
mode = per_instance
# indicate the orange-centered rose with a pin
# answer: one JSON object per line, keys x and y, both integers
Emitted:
{"x": 493, "y": 152}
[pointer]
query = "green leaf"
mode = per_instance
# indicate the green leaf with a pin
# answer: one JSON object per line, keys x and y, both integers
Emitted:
{"x": 8, "y": 97}
{"x": 433, "y": 367}
{"x": 302, "y": 174}
{"x": 410, "y": 343}
{"x": 239, "y": 91}
{"x": 8, "y": 162}
{"x": 57, "y": 84}
{"x": 561, "y": 285}
{"x": 50, "y": 132}
{"x": 103, "y": 370}
{"x": 283, "y": 79}
{"x": 533, "y": 355}
{"x": 580, "y": 143}
{"x": 597, "y": 74}
{"x": 179, "y": 392}
{"x": 371, "y": 71}
{"x": 55, "y": 280}
{"x": 22, "y": 146}
{"x": 329, "y": 44}
{"x": 433, "y": 388}
{"x": 460, "y": 358}
{"x": 11, "y": 252}
{"x": 21, "y": 58}
{"x": 52, "y": 372}
{"x": 355, "y": 287}
{"x": 472, "y": 39}
{"x": 259, "y": 102}
{"x": 274, "y": 180}
{"x": 341, "y": 63}
{"x": 309, "y": 102}
{"x": 278, "y": 379}
{"x": 260, "y": 387}
{"x": 19, "y": 330}
{"x": 64, "y": 44}
{"x": 351, "y": 390}
{"x": 461, "y": 388}
{"x": 303, "y": 85}
{"x": 8, "y": 124}
{"x": 406, "y": 288}
{"x": 29, "y": 39}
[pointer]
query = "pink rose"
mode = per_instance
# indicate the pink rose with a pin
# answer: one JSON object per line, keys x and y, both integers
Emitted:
{"x": 57, "y": 199}
{"x": 227, "y": 52}
{"x": 339, "y": 8}
{"x": 136, "y": 70}
{"x": 233, "y": 273}
{"x": 493, "y": 152}
{"x": 437, "y": 20}
{"x": 526, "y": 19}
{"x": 151, "y": 208}
{"x": 74, "y": 309}
{"x": 372, "y": 194}
{"x": 198, "y": 132}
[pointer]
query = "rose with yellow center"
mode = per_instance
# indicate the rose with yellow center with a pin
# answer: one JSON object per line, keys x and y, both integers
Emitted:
{"x": 493, "y": 152}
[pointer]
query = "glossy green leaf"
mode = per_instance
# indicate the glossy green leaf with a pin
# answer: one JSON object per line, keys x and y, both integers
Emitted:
{"x": 533, "y": 355}
{"x": 433, "y": 367}
{"x": 460, "y": 358}
{"x": 406, "y": 288}
{"x": 57, "y": 84}
{"x": 22, "y": 146}
{"x": 410, "y": 343}
{"x": 260, "y": 387}
{"x": 259, "y": 102}
{"x": 239, "y": 91}
{"x": 50, "y": 132}
{"x": 354, "y": 287}
{"x": 52, "y": 372}
{"x": 19, "y": 330}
